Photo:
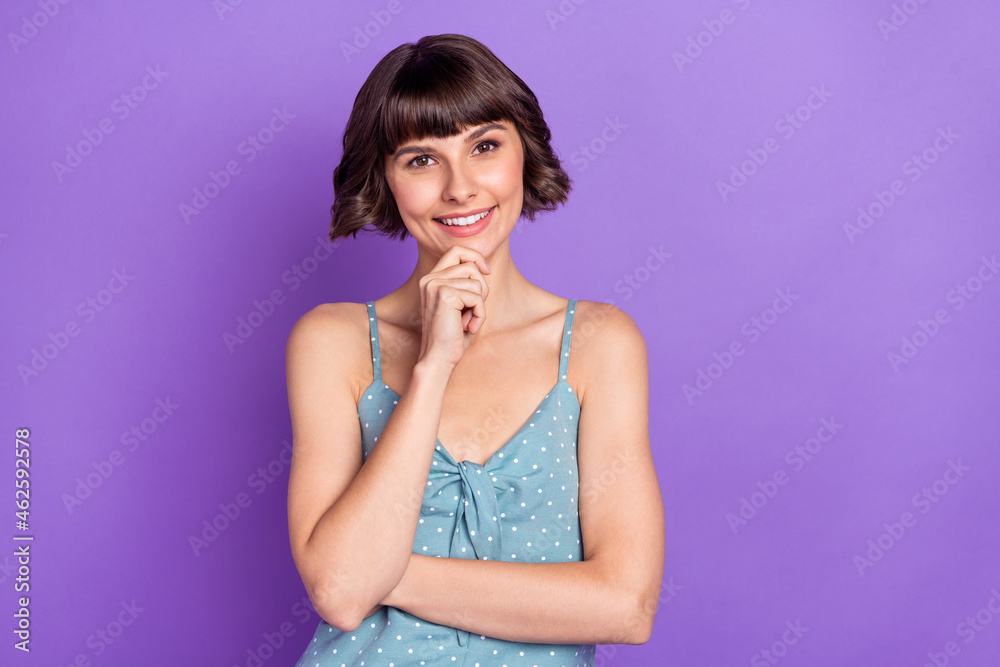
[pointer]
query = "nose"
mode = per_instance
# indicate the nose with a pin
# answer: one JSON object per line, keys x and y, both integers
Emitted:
{"x": 460, "y": 183}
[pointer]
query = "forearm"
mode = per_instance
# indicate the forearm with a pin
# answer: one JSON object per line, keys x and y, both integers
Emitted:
{"x": 551, "y": 603}
{"x": 360, "y": 547}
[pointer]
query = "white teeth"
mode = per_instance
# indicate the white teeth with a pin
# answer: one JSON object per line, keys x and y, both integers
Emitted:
{"x": 462, "y": 222}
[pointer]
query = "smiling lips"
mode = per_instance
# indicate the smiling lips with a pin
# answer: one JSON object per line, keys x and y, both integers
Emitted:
{"x": 463, "y": 221}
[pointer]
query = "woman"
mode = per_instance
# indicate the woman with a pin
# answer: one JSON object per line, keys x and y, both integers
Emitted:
{"x": 498, "y": 503}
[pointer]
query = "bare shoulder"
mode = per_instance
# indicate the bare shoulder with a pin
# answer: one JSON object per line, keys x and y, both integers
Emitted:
{"x": 341, "y": 321}
{"x": 603, "y": 328}
{"x": 606, "y": 343}
{"x": 330, "y": 317}
{"x": 329, "y": 338}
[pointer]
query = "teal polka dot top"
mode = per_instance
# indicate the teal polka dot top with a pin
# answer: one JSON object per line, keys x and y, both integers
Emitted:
{"x": 520, "y": 507}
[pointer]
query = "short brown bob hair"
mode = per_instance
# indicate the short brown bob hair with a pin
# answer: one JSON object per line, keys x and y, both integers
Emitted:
{"x": 436, "y": 87}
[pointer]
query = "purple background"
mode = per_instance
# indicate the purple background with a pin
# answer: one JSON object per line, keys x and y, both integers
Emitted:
{"x": 662, "y": 133}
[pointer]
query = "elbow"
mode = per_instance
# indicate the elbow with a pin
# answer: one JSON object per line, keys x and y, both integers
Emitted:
{"x": 638, "y": 628}
{"x": 638, "y": 619}
{"x": 632, "y": 608}
{"x": 345, "y": 622}
{"x": 640, "y": 634}
{"x": 342, "y": 624}
{"x": 342, "y": 596}
{"x": 333, "y": 606}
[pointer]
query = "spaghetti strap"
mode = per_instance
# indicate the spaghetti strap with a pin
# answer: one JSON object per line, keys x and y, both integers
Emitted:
{"x": 567, "y": 335}
{"x": 373, "y": 327}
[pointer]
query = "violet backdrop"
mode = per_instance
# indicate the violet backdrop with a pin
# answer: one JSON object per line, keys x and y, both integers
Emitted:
{"x": 796, "y": 202}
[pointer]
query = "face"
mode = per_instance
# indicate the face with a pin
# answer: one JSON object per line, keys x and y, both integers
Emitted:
{"x": 466, "y": 189}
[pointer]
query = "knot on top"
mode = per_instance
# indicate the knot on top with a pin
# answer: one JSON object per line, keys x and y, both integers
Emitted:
{"x": 478, "y": 513}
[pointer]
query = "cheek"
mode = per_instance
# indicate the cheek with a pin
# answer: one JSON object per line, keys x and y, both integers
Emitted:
{"x": 509, "y": 179}
{"x": 410, "y": 197}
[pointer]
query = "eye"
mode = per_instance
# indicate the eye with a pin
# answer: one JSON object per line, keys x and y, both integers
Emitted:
{"x": 420, "y": 161}
{"x": 489, "y": 144}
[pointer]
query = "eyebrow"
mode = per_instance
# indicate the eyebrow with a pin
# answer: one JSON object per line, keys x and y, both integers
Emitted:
{"x": 418, "y": 150}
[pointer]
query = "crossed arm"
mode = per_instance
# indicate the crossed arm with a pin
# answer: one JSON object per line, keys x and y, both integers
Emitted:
{"x": 612, "y": 595}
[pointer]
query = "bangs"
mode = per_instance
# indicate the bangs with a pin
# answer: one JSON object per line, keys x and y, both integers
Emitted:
{"x": 440, "y": 99}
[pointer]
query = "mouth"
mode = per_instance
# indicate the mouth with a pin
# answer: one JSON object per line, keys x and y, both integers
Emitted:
{"x": 465, "y": 221}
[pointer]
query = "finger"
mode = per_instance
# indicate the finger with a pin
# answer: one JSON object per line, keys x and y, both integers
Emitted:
{"x": 478, "y": 316}
{"x": 457, "y": 254}
{"x": 465, "y": 270}
{"x": 467, "y": 302}
{"x": 469, "y": 285}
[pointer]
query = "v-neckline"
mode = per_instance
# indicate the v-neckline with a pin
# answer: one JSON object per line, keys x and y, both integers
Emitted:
{"x": 527, "y": 421}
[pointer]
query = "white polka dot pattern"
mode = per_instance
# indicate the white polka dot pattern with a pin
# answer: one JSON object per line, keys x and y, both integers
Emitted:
{"x": 521, "y": 507}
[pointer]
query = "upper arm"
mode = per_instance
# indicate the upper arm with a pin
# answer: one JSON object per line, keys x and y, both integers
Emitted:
{"x": 326, "y": 436}
{"x": 621, "y": 506}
